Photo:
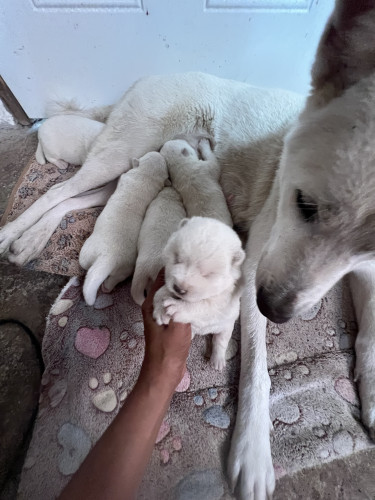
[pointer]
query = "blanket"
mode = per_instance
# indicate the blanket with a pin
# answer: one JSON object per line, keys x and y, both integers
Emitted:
{"x": 93, "y": 356}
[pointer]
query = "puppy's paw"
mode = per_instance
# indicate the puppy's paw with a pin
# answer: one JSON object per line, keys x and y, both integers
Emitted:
{"x": 171, "y": 306}
{"x": 217, "y": 360}
{"x": 204, "y": 149}
{"x": 160, "y": 314}
{"x": 250, "y": 468}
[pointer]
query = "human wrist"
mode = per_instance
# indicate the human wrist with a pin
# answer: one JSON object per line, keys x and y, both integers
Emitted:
{"x": 165, "y": 377}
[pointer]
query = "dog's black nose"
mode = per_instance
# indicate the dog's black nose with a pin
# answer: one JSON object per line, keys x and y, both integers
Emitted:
{"x": 267, "y": 309}
{"x": 179, "y": 290}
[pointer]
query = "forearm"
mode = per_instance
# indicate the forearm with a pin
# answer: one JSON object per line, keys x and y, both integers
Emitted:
{"x": 115, "y": 466}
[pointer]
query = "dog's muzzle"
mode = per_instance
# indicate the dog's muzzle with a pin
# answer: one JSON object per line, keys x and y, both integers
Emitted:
{"x": 277, "y": 314}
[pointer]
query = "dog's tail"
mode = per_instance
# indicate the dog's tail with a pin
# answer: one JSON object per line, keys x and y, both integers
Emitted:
{"x": 39, "y": 155}
{"x": 71, "y": 107}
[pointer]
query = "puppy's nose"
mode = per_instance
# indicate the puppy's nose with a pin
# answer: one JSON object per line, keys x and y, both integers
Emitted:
{"x": 268, "y": 310}
{"x": 179, "y": 290}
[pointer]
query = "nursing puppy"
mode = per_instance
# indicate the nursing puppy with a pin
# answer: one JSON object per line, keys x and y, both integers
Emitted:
{"x": 161, "y": 220}
{"x": 300, "y": 177}
{"x": 66, "y": 139}
{"x": 109, "y": 254}
{"x": 197, "y": 180}
{"x": 203, "y": 282}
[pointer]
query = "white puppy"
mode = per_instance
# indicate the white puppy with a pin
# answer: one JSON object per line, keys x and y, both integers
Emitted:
{"x": 110, "y": 252}
{"x": 202, "y": 281}
{"x": 162, "y": 218}
{"x": 197, "y": 180}
{"x": 66, "y": 139}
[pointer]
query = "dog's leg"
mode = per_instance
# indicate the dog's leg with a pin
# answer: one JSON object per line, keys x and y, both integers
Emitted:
{"x": 220, "y": 343}
{"x": 109, "y": 158}
{"x": 362, "y": 282}
{"x": 250, "y": 462}
{"x": 33, "y": 241}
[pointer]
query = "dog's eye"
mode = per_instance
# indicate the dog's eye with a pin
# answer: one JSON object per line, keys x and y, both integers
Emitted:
{"x": 307, "y": 207}
{"x": 177, "y": 259}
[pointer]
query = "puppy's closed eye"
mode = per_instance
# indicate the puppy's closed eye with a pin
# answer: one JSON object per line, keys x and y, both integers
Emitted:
{"x": 177, "y": 258}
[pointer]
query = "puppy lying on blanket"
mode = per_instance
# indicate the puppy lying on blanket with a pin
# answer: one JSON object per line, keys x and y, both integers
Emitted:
{"x": 66, "y": 139}
{"x": 203, "y": 282}
{"x": 197, "y": 180}
{"x": 110, "y": 252}
{"x": 162, "y": 218}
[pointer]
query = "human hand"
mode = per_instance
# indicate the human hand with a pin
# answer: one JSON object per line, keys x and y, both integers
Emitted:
{"x": 167, "y": 346}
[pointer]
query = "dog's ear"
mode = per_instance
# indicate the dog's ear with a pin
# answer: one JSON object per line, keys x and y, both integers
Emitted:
{"x": 183, "y": 222}
{"x": 346, "y": 52}
{"x": 238, "y": 257}
{"x": 135, "y": 162}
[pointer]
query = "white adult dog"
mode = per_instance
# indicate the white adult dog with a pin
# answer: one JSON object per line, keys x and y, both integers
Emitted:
{"x": 308, "y": 200}
{"x": 203, "y": 284}
{"x": 197, "y": 179}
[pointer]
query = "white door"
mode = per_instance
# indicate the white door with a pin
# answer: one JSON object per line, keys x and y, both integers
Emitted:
{"x": 94, "y": 49}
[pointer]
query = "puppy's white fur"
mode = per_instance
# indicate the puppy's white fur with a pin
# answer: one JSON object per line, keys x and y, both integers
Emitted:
{"x": 110, "y": 252}
{"x": 162, "y": 218}
{"x": 197, "y": 180}
{"x": 66, "y": 139}
{"x": 202, "y": 281}
{"x": 328, "y": 159}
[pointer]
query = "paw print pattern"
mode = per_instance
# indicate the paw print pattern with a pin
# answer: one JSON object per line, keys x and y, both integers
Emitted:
{"x": 167, "y": 443}
{"x": 215, "y": 414}
{"x": 106, "y": 399}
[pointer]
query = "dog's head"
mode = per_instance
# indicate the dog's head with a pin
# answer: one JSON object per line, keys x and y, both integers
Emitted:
{"x": 202, "y": 258}
{"x": 325, "y": 210}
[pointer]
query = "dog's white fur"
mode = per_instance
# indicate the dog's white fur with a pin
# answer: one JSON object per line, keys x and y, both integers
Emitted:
{"x": 66, "y": 139}
{"x": 197, "y": 179}
{"x": 110, "y": 253}
{"x": 33, "y": 241}
{"x": 203, "y": 285}
{"x": 328, "y": 159}
{"x": 162, "y": 218}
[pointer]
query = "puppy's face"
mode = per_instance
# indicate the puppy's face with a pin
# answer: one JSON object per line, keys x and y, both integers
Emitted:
{"x": 202, "y": 259}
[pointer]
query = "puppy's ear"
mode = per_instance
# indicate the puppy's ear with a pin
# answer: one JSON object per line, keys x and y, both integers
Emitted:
{"x": 238, "y": 257}
{"x": 183, "y": 222}
{"x": 346, "y": 52}
{"x": 135, "y": 162}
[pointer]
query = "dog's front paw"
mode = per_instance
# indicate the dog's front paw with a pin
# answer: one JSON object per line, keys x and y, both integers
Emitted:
{"x": 8, "y": 234}
{"x": 250, "y": 468}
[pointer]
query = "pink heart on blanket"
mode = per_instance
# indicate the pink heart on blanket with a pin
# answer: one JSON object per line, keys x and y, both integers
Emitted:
{"x": 92, "y": 342}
